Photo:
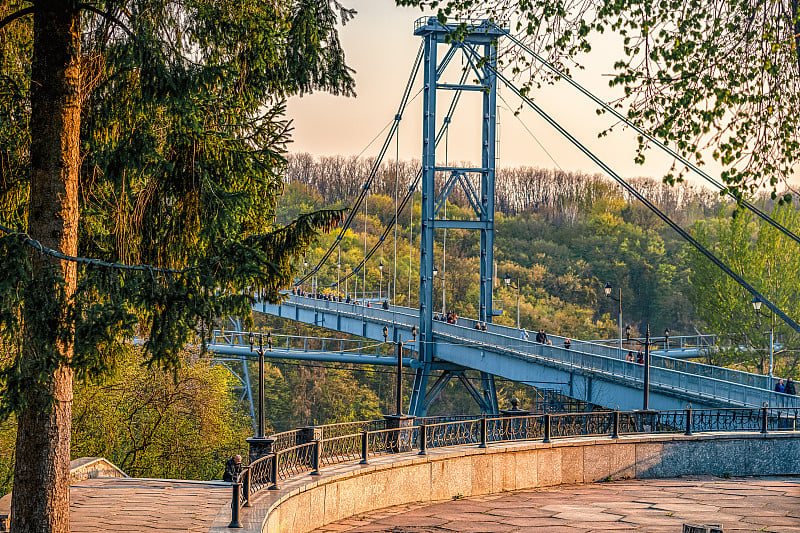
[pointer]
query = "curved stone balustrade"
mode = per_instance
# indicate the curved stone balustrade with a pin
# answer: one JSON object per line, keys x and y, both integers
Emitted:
{"x": 307, "y": 502}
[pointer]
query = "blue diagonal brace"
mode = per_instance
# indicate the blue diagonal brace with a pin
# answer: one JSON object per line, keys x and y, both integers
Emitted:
{"x": 472, "y": 196}
{"x": 445, "y": 193}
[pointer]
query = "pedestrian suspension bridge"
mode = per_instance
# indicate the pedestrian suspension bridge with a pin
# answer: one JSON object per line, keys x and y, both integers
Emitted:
{"x": 436, "y": 351}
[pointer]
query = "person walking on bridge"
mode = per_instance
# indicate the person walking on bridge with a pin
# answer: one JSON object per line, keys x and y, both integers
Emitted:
{"x": 780, "y": 387}
{"x": 790, "y": 387}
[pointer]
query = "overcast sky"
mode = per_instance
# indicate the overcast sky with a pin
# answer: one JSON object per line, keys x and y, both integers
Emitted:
{"x": 380, "y": 45}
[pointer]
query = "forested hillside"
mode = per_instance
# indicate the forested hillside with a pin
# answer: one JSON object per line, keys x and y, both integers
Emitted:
{"x": 559, "y": 236}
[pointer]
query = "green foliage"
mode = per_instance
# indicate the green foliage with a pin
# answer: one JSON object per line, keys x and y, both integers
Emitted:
{"x": 769, "y": 261}
{"x": 110, "y": 305}
{"x": 573, "y": 234}
{"x": 182, "y": 144}
{"x": 152, "y": 423}
{"x": 709, "y": 79}
{"x": 8, "y": 433}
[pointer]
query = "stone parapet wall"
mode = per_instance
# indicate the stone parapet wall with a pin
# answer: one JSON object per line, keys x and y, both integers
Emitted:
{"x": 470, "y": 471}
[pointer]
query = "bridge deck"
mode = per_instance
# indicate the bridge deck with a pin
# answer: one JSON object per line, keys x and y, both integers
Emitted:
{"x": 591, "y": 371}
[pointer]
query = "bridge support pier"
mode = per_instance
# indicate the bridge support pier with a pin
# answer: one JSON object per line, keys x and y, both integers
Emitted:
{"x": 422, "y": 397}
{"x": 417, "y": 406}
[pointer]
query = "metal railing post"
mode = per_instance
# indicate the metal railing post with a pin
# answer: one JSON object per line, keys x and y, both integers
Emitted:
{"x": 246, "y": 486}
{"x": 364, "y": 447}
{"x": 615, "y": 430}
{"x": 236, "y": 491}
{"x": 688, "y": 420}
{"x": 316, "y": 449}
{"x": 546, "y": 428}
{"x": 273, "y": 471}
{"x": 483, "y": 432}
{"x": 423, "y": 440}
{"x": 764, "y": 419}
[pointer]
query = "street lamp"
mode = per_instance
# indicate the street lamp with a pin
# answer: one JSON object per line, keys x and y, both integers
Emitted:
{"x": 399, "y": 347}
{"x": 607, "y": 289}
{"x": 756, "y": 301}
{"x": 646, "y": 384}
{"x": 380, "y": 283}
{"x": 305, "y": 267}
{"x": 260, "y": 351}
{"x": 436, "y": 275}
{"x": 339, "y": 279}
{"x": 507, "y": 280}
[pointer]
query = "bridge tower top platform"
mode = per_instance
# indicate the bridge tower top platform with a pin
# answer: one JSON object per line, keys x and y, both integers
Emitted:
{"x": 476, "y": 31}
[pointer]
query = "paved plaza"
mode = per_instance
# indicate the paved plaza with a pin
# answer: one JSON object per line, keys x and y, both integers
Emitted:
{"x": 145, "y": 505}
{"x": 660, "y": 505}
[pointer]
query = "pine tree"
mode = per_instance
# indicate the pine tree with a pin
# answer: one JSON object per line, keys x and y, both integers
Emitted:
{"x": 145, "y": 133}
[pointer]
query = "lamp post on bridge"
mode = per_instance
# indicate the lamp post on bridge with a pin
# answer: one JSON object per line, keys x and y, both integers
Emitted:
{"x": 436, "y": 275}
{"x": 260, "y": 351}
{"x": 380, "y": 283}
{"x": 646, "y": 380}
{"x": 757, "y": 307}
{"x": 399, "y": 349}
{"x": 507, "y": 281}
{"x": 607, "y": 290}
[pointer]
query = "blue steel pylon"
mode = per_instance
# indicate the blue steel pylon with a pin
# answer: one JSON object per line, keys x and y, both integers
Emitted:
{"x": 482, "y": 37}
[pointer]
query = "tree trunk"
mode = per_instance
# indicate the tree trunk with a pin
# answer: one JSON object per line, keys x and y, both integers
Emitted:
{"x": 40, "y": 500}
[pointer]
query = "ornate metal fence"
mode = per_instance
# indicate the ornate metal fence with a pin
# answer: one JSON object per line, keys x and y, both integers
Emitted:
{"x": 361, "y": 441}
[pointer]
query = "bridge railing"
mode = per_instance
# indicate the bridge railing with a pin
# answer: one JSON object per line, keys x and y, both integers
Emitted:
{"x": 673, "y": 374}
{"x": 429, "y": 433}
{"x": 708, "y": 381}
{"x": 300, "y": 343}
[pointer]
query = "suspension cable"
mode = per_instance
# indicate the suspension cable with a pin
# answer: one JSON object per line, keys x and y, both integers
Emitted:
{"x": 685, "y": 235}
{"x": 444, "y": 230}
{"x": 694, "y": 168}
{"x": 409, "y": 196}
{"x": 394, "y": 260}
{"x": 410, "y": 241}
{"x": 376, "y": 164}
{"x": 364, "y": 273}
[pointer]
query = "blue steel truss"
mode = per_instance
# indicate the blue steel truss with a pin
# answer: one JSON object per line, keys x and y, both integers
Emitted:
{"x": 480, "y": 38}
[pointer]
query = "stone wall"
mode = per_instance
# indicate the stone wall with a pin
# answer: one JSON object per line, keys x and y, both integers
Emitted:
{"x": 472, "y": 471}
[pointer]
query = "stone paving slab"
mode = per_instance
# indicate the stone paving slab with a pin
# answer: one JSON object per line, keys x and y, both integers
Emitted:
{"x": 761, "y": 504}
{"x": 145, "y": 505}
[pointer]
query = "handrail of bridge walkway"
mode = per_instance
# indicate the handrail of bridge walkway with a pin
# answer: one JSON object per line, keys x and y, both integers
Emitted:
{"x": 714, "y": 383}
{"x": 369, "y": 439}
{"x": 300, "y": 343}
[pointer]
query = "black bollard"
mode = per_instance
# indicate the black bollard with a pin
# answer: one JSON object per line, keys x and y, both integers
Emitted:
{"x": 236, "y": 490}
{"x": 546, "y": 428}
{"x": 364, "y": 447}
